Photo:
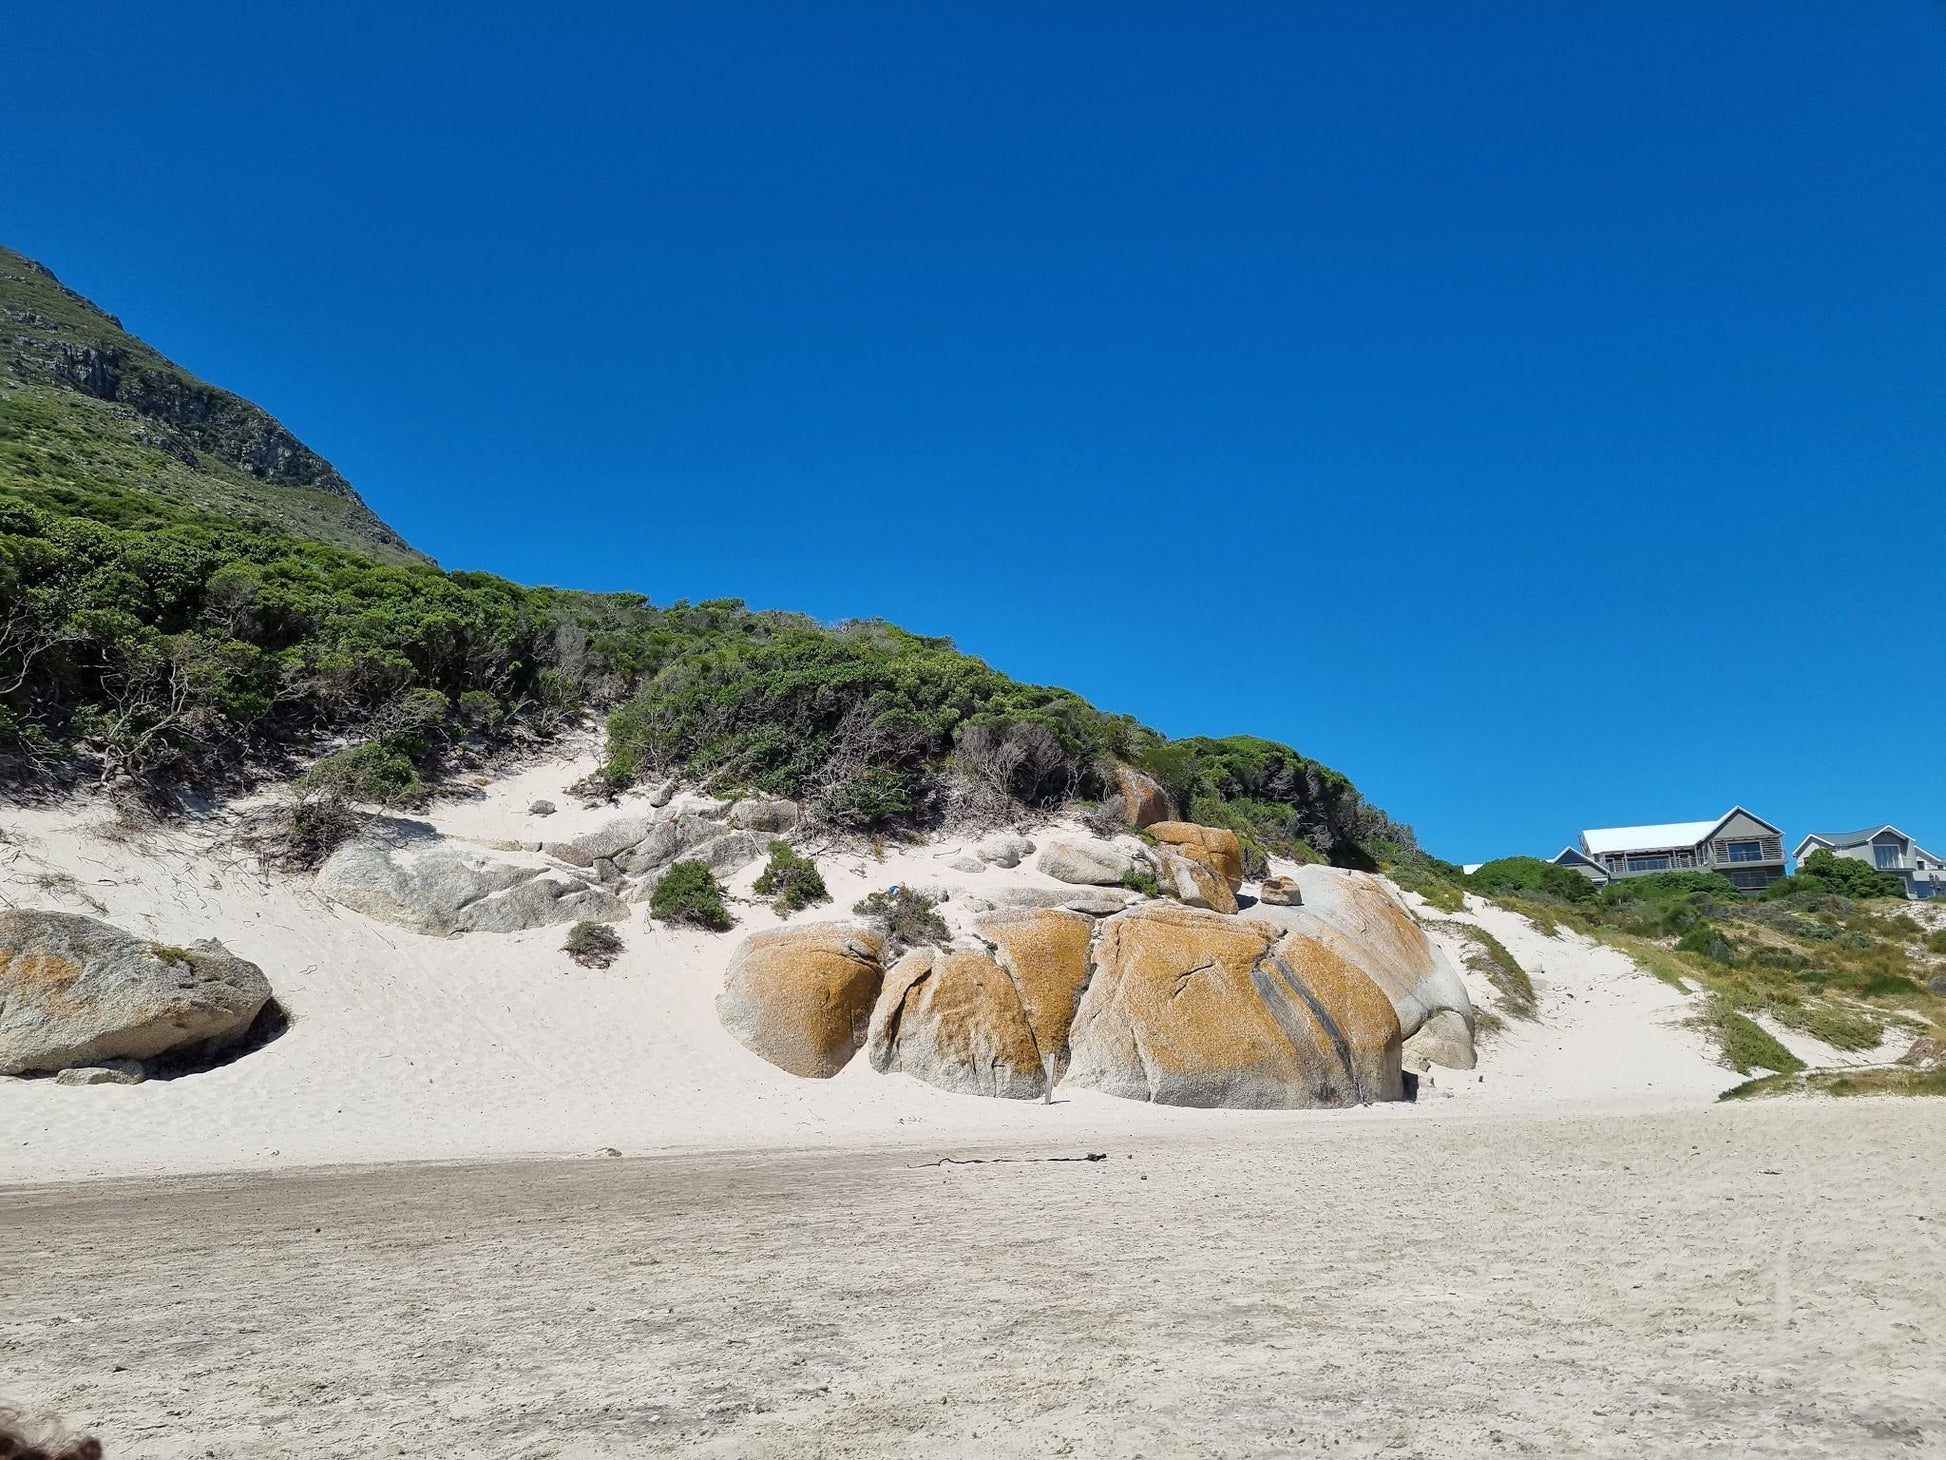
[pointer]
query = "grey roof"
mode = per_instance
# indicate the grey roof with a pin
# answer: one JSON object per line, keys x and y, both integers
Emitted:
{"x": 1852, "y": 838}
{"x": 1845, "y": 840}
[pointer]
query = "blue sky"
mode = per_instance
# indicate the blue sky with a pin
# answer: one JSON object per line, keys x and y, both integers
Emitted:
{"x": 1536, "y": 411}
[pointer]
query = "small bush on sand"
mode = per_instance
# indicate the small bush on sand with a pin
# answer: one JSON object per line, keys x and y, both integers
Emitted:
{"x": 905, "y": 918}
{"x": 1747, "y": 1045}
{"x": 792, "y": 881}
{"x": 1533, "y": 876}
{"x": 592, "y": 944}
{"x": 689, "y": 893}
{"x": 372, "y": 772}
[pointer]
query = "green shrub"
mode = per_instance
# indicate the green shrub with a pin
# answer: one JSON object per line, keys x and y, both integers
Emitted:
{"x": 1658, "y": 887}
{"x": 1846, "y": 877}
{"x": 1136, "y": 880}
{"x": 1936, "y": 941}
{"x": 1843, "y": 1083}
{"x": 1747, "y": 1045}
{"x": 1707, "y": 941}
{"x": 905, "y": 919}
{"x": 792, "y": 881}
{"x": 1532, "y": 876}
{"x": 371, "y": 772}
{"x": 689, "y": 893}
{"x": 1436, "y": 881}
{"x": 592, "y": 944}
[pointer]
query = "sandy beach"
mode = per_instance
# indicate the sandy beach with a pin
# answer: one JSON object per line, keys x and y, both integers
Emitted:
{"x": 393, "y": 1229}
{"x": 1730, "y": 1281}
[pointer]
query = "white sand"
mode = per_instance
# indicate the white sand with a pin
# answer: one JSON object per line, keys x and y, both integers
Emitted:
{"x": 1728, "y": 1281}
{"x": 405, "y": 1047}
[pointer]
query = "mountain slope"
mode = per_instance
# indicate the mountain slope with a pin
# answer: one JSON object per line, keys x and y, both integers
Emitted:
{"x": 86, "y": 407}
{"x": 188, "y": 595}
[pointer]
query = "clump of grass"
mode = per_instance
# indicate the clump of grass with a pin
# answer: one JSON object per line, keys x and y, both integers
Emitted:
{"x": 905, "y": 918}
{"x": 1436, "y": 889}
{"x": 592, "y": 944}
{"x": 1746, "y": 1045}
{"x": 1136, "y": 880}
{"x": 791, "y": 880}
{"x": 1657, "y": 959}
{"x": 64, "y": 884}
{"x": 689, "y": 893}
{"x": 1845, "y": 1029}
{"x": 1489, "y": 958}
{"x": 1842, "y": 1083}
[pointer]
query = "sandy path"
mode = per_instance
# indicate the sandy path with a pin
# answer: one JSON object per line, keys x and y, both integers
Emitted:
{"x": 1716, "y": 1281}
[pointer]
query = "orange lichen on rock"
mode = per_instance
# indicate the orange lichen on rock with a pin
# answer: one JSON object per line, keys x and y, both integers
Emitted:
{"x": 802, "y": 997}
{"x": 1217, "y": 849}
{"x": 955, "y": 1020}
{"x": 1143, "y": 799}
{"x": 1192, "y": 883}
{"x": 1188, "y": 1007}
{"x": 1045, "y": 952}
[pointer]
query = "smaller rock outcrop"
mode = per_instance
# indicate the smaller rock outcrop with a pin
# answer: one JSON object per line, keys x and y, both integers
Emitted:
{"x": 1045, "y": 952}
{"x": 1359, "y": 917}
{"x": 1213, "y": 846}
{"x": 1281, "y": 892}
{"x": 772, "y": 815}
{"x": 802, "y": 997}
{"x": 1191, "y": 883}
{"x": 1004, "y": 851}
{"x": 1144, "y": 802}
{"x": 1444, "y": 1039}
{"x": 437, "y": 887}
{"x": 990, "y": 1021}
{"x": 1094, "y": 901}
{"x": 78, "y": 992}
{"x": 108, "y": 1072}
{"x": 1924, "y": 1053}
{"x": 1086, "y": 864}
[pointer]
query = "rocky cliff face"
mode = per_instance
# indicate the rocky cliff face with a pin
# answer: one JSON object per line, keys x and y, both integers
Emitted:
{"x": 70, "y": 372}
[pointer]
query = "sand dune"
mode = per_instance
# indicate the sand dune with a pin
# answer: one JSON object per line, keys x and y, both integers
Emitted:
{"x": 406, "y": 1047}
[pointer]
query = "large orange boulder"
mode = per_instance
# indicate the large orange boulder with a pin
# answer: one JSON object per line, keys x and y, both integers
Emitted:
{"x": 1217, "y": 849}
{"x": 802, "y": 997}
{"x": 1045, "y": 952}
{"x": 955, "y": 1020}
{"x": 1188, "y": 1007}
{"x": 1358, "y": 916}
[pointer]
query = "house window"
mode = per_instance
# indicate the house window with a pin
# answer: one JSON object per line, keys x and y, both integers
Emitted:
{"x": 1654, "y": 862}
{"x": 1743, "y": 851}
{"x": 1886, "y": 856}
{"x": 1748, "y": 879}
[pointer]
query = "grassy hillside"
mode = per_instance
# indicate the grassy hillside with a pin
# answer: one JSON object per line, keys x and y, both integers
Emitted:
{"x": 92, "y": 417}
{"x": 188, "y": 593}
{"x": 1833, "y": 952}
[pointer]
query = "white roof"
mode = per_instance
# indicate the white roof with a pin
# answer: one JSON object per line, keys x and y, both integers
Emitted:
{"x": 1648, "y": 838}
